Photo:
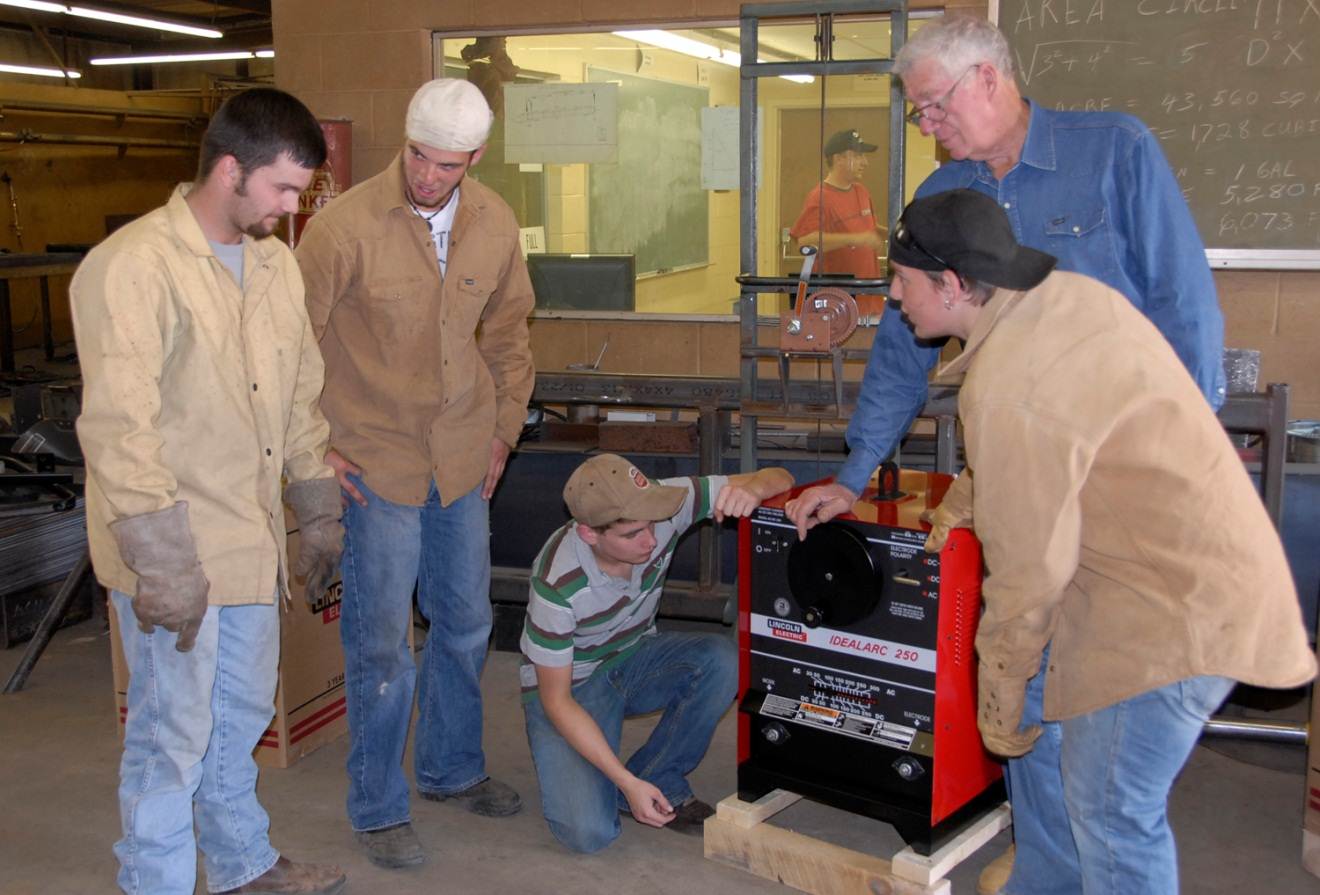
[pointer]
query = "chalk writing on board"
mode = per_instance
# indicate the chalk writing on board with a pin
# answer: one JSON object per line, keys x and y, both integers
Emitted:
{"x": 1230, "y": 88}
{"x": 650, "y": 204}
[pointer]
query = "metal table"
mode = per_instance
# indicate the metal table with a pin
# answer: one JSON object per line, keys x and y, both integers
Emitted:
{"x": 43, "y": 265}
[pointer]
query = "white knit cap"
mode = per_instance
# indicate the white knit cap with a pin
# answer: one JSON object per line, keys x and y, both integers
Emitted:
{"x": 449, "y": 115}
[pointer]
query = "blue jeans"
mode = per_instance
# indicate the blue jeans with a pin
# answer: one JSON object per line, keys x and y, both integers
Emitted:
{"x": 193, "y": 720}
{"x": 692, "y": 677}
{"x": 1090, "y": 800}
{"x": 445, "y": 553}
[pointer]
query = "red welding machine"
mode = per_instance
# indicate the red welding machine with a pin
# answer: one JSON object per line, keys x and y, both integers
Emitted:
{"x": 858, "y": 671}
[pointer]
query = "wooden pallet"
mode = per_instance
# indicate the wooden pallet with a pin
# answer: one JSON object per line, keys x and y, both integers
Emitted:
{"x": 738, "y": 836}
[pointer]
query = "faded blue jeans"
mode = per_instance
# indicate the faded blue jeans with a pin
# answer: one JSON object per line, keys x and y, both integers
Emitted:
{"x": 445, "y": 552}
{"x": 1090, "y": 800}
{"x": 692, "y": 677}
{"x": 193, "y": 721}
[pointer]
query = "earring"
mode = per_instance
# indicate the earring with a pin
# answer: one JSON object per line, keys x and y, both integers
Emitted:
{"x": 948, "y": 305}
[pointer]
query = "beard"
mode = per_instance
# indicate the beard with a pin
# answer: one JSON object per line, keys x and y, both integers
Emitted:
{"x": 260, "y": 230}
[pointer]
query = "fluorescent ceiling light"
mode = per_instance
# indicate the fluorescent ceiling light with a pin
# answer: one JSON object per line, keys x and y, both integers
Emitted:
{"x": 36, "y": 5}
{"x": 685, "y": 45}
{"x": 139, "y": 22}
{"x": 666, "y": 40}
{"x": 183, "y": 57}
{"x": 100, "y": 15}
{"x": 38, "y": 70}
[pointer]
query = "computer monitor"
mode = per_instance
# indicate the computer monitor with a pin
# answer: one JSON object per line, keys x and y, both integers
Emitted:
{"x": 573, "y": 282}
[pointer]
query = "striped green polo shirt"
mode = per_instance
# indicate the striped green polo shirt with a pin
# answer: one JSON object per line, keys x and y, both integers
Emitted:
{"x": 578, "y": 614}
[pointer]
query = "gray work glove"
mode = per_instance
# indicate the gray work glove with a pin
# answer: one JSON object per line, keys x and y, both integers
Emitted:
{"x": 171, "y": 587}
{"x": 999, "y": 715}
{"x": 318, "y": 506}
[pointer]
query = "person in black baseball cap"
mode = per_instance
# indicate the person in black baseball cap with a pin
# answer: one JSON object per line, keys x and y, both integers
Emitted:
{"x": 966, "y": 232}
{"x": 838, "y": 217}
{"x": 949, "y": 253}
{"x": 843, "y": 141}
{"x": 1119, "y": 529}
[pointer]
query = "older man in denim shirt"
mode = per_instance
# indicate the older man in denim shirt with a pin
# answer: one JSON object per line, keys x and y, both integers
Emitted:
{"x": 1094, "y": 190}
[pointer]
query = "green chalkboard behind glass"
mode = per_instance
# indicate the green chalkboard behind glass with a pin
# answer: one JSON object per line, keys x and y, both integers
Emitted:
{"x": 1230, "y": 87}
{"x": 650, "y": 202}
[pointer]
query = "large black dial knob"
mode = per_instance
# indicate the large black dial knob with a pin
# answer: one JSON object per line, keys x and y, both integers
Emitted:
{"x": 832, "y": 576}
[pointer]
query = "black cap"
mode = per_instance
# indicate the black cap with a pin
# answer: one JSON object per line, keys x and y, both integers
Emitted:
{"x": 966, "y": 232}
{"x": 845, "y": 140}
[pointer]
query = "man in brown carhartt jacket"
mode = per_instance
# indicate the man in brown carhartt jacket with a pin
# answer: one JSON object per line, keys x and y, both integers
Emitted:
{"x": 419, "y": 296}
{"x": 1132, "y": 573}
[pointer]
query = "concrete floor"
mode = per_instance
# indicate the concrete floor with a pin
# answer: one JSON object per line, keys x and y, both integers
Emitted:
{"x": 1238, "y": 823}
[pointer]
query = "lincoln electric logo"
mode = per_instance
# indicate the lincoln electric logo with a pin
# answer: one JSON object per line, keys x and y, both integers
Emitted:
{"x": 328, "y": 602}
{"x": 786, "y": 630}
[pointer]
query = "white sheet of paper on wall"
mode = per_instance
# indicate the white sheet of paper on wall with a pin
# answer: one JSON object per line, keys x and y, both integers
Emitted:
{"x": 532, "y": 240}
{"x": 720, "y": 155}
{"x": 561, "y": 124}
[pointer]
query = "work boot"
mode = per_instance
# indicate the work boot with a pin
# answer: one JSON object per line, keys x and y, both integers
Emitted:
{"x": 489, "y": 798}
{"x": 288, "y": 877}
{"x": 996, "y": 873}
{"x": 690, "y": 817}
{"x": 393, "y": 847}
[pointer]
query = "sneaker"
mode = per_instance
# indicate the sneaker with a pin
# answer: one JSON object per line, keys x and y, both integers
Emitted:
{"x": 996, "y": 873}
{"x": 489, "y": 798}
{"x": 393, "y": 847}
{"x": 289, "y": 877}
{"x": 690, "y": 817}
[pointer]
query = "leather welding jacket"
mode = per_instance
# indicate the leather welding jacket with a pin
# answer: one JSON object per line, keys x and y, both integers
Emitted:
{"x": 1118, "y": 523}
{"x": 196, "y": 389}
{"x": 421, "y": 373}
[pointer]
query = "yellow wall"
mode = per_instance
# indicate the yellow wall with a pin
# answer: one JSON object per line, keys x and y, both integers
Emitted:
{"x": 351, "y": 57}
{"x": 64, "y": 193}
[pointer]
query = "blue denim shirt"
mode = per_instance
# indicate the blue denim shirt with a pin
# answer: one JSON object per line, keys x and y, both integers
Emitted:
{"x": 1094, "y": 190}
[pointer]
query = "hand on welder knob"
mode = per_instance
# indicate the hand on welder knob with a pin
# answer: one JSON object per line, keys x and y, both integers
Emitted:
{"x": 317, "y": 505}
{"x": 171, "y": 587}
{"x": 817, "y": 504}
{"x": 954, "y": 511}
{"x": 999, "y": 714}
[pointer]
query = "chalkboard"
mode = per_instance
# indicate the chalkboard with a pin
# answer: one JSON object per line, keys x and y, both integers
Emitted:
{"x": 650, "y": 203}
{"x": 1230, "y": 87}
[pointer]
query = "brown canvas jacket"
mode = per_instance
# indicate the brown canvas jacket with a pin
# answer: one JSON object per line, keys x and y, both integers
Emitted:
{"x": 1118, "y": 523}
{"x": 196, "y": 390}
{"x": 421, "y": 374}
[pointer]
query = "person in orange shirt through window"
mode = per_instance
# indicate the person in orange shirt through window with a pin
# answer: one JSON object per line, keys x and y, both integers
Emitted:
{"x": 839, "y": 220}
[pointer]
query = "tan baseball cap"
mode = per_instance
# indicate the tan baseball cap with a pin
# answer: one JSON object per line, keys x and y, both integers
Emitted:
{"x": 608, "y": 488}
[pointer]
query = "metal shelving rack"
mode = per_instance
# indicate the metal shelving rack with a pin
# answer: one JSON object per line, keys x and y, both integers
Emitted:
{"x": 754, "y": 401}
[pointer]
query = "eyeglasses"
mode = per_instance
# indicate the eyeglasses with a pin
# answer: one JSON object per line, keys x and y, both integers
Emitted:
{"x": 936, "y": 111}
{"x": 903, "y": 237}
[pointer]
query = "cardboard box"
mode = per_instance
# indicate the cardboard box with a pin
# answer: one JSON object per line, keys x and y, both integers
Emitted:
{"x": 309, "y": 701}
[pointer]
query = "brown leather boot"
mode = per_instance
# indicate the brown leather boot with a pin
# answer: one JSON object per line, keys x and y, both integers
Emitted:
{"x": 996, "y": 873}
{"x": 289, "y": 878}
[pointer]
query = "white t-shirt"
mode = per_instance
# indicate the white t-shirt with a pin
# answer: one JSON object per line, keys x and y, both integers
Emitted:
{"x": 441, "y": 223}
